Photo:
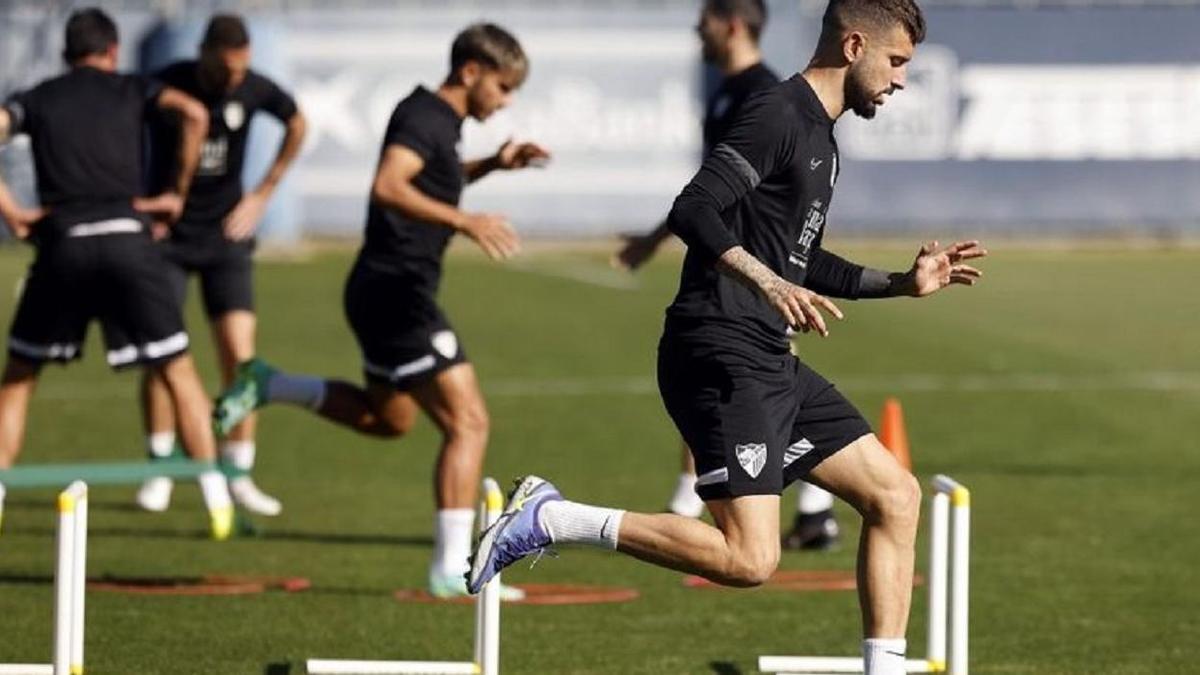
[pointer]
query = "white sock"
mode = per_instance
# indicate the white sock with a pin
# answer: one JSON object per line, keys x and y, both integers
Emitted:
{"x": 302, "y": 390}
{"x": 685, "y": 501}
{"x": 215, "y": 489}
{"x": 812, "y": 499}
{"x": 160, "y": 444}
{"x": 884, "y": 656}
{"x": 575, "y": 523}
{"x": 239, "y": 453}
{"x": 452, "y": 541}
{"x": 2, "y": 493}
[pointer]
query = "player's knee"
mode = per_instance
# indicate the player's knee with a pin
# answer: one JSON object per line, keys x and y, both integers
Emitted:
{"x": 471, "y": 422}
{"x": 897, "y": 504}
{"x": 396, "y": 423}
{"x": 753, "y": 565}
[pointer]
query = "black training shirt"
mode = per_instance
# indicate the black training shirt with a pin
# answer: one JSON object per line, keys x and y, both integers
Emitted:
{"x": 86, "y": 133}
{"x": 726, "y": 102}
{"x": 765, "y": 186}
{"x": 217, "y": 186}
{"x": 396, "y": 242}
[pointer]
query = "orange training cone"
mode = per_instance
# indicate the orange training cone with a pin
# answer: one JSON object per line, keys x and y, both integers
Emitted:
{"x": 892, "y": 433}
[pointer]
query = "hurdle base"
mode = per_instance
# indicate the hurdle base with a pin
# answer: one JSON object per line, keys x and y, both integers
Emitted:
{"x": 26, "y": 669}
{"x": 826, "y": 665}
{"x": 350, "y": 667}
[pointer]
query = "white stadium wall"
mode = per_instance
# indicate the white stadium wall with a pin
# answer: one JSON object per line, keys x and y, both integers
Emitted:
{"x": 1046, "y": 119}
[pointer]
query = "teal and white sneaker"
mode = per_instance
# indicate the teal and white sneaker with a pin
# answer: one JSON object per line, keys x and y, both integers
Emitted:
{"x": 247, "y": 393}
{"x": 447, "y": 586}
{"x": 518, "y": 532}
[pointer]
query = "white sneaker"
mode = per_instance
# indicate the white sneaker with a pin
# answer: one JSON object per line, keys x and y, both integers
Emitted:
{"x": 254, "y": 500}
{"x": 155, "y": 494}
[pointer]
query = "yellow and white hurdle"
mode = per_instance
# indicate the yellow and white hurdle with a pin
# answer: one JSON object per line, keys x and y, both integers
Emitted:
{"x": 70, "y": 579}
{"x": 949, "y": 558}
{"x": 487, "y": 624}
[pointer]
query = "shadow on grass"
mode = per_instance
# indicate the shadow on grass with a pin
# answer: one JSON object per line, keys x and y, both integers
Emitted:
{"x": 724, "y": 668}
{"x": 423, "y": 541}
{"x": 26, "y": 579}
{"x": 281, "y": 668}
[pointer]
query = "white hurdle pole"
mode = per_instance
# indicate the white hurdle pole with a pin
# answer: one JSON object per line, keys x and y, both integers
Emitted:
{"x": 487, "y": 610}
{"x": 69, "y": 579}
{"x": 939, "y": 540}
{"x": 949, "y": 560}
{"x": 823, "y": 665}
{"x": 487, "y": 624}
{"x": 960, "y": 558}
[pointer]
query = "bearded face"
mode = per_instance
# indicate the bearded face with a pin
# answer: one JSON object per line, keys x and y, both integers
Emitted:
{"x": 223, "y": 70}
{"x": 713, "y": 34}
{"x": 859, "y": 95}
{"x": 879, "y": 71}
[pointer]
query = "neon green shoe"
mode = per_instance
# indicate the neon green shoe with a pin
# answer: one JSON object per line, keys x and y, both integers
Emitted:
{"x": 455, "y": 586}
{"x": 247, "y": 393}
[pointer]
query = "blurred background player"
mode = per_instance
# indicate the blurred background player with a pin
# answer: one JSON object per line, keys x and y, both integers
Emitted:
{"x": 755, "y": 417}
{"x": 412, "y": 358}
{"x": 95, "y": 258}
{"x": 214, "y": 238}
{"x": 729, "y": 33}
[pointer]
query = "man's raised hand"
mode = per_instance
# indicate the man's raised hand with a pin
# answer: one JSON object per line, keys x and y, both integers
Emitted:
{"x": 936, "y": 268}
{"x": 513, "y": 155}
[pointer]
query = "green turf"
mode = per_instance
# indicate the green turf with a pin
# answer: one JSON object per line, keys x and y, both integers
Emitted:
{"x": 1065, "y": 391}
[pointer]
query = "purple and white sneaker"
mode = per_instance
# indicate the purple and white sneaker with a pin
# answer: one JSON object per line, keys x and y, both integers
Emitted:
{"x": 517, "y": 534}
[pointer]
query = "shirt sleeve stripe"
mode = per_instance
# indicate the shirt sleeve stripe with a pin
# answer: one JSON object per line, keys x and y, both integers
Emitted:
{"x": 741, "y": 167}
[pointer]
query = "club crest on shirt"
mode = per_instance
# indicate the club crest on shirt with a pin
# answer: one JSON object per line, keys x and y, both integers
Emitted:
{"x": 446, "y": 343}
{"x": 234, "y": 114}
{"x": 752, "y": 457}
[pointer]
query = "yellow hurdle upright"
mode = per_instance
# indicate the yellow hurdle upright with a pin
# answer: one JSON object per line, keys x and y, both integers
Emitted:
{"x": 70, "y": 581}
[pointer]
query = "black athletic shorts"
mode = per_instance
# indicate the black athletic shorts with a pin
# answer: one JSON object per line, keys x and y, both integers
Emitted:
{"x": 108, "y": 270}
{"x": 754, "y": 426}
{"x": 402, "y": 333}
{"x": 225, "y": 269}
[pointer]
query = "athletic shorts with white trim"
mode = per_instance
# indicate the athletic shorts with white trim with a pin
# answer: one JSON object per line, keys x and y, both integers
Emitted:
{"x": 754, "y": 426}
{"x": 404, "y": 337}
{"x": 107, "y": 270}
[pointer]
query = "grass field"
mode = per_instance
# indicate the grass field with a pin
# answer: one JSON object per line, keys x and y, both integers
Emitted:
{"x": 1065, "y": 391}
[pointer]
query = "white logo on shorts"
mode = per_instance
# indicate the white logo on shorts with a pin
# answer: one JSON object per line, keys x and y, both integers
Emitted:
{"x": 234, "y": 114}
{"x": 445, "y": 343}
{"x": 752, "y": 457}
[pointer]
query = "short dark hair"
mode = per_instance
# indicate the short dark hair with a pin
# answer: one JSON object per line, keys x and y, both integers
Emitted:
{"x": 752, "y": 12}
{"x": 89, "y": 31}
{"x": 844, "y": 15}
{"x": 225, "y": 31}
{"x": 491, "y": 46}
